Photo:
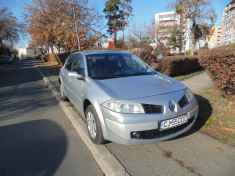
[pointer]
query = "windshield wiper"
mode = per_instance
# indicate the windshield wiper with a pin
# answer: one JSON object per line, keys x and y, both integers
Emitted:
{"x": 135, "y": 74}
{"x": 118, "y": 76}
{"x": 106, "y": 76}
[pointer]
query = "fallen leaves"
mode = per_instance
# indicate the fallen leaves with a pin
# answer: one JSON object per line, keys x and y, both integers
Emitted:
{"x": 218, "y": 149}
{"x": 166, "y": 154}
{"x": 209, "y": 128}
{"x": 228, "y": 129}
{"x": 229, "y": 134}
{"x": 221, "y": 124}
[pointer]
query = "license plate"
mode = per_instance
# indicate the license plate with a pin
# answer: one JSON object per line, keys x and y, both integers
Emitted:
{"x": 170, "y": 123}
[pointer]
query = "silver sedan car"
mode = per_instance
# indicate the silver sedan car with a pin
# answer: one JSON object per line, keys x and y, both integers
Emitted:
{"x": 123, "y": 100}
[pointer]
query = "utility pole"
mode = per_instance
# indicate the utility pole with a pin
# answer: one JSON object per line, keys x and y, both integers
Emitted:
{"x": 76, "y": 27}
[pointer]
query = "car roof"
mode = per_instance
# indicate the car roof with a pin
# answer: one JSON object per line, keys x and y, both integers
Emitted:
{"x": 99, "y": 52}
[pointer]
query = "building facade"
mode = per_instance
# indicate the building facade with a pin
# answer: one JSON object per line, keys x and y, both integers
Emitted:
{"x": 228, "y": 24}
{"x": 215, "y": 39}
{"x": 165, "y": 23}
{"x": 28, "y": 52}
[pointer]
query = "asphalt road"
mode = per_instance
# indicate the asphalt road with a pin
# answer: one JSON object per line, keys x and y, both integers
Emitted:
{"x": 36, "y": 137}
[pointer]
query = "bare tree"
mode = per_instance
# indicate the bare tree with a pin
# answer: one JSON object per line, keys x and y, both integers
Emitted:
{"x": 10, "y": 27}
{"x": 158, "y": 34}
{"x": 138, "y": 31}
{"x": 198, "y": 11}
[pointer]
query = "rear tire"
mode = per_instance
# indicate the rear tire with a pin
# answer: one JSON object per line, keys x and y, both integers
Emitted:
{"x": 62, "y": 93}
{"x": 93, "y": 126}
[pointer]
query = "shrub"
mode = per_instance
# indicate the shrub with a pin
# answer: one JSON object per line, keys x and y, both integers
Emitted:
{"x": 178, "y": 65}
{"x": 188, "y": 52}
{"x": 220, "y": 63}
{"x": 37, "y": 57}
{"x": 53, "y": 59}
{"x": 56, "y": 59}
{"x": 44, "y": 57}
{"x": 61, "y": 57}
{"x": 143, "y": 53}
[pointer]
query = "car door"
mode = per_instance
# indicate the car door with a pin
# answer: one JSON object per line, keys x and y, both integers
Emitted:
{"x": 77, "y": 85}
{"x": 64, "y": 75}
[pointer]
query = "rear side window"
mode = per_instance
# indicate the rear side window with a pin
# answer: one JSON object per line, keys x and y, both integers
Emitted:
{"x": 69, "y": 62}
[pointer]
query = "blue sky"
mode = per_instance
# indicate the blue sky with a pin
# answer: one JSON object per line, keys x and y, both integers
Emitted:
{"x": 143, "y": 10}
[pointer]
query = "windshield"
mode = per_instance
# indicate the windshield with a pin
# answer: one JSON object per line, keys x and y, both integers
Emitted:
{"x": 112, "y": 65}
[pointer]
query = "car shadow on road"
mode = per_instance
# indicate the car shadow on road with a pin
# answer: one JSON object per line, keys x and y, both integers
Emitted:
{"x": 32, "y": 148}
{"x": 205, "y": 111}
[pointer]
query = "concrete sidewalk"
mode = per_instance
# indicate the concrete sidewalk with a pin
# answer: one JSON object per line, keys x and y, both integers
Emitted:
{"x": 198, "y": 83}
{"x": 190, "y": 154}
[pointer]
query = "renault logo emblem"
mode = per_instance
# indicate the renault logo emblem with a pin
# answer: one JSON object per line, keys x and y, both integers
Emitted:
{"x": 171, "y": 106}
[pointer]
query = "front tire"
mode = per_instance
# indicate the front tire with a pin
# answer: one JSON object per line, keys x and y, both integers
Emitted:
{"x": 62, "y": 93}
{"x": 93, "y": 126}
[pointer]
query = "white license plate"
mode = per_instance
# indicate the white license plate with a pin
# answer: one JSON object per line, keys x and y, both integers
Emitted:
{"x": 165, "y": 124}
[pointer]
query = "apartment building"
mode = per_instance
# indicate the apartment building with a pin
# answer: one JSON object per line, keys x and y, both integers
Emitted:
{"x": 215, "y": 39}
{"x": 228, "y": 23}
{"x": 165, "y": 23}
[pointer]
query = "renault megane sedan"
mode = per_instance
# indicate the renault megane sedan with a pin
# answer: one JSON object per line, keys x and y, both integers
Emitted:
{"x": 123, "y": 100}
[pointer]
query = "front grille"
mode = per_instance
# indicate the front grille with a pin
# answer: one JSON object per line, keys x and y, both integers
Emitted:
{"x": 156, "y": 133}
{"x": 153, "y": 109}
{"x": 183, "y": 101}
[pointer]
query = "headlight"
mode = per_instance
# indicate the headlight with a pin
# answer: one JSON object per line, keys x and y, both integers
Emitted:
{"x": 123, "y": 106}
{"x": 189, "y": 95}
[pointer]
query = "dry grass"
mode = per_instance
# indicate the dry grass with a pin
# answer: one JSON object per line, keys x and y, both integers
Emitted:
{"x": 217, "y": 116}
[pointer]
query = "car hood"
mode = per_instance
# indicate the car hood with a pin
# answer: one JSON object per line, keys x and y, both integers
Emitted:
{"x": 138, "y": 86}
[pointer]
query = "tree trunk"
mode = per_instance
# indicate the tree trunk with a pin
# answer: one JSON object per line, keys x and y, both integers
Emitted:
{"x": 76, "y": 27}
{"x": 193, "y": 38}
{"x": 123, "y": 39}
{"x": 115, "y": 36}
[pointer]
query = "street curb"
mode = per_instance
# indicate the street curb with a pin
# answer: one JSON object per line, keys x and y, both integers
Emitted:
{"x": 105, "y": 159}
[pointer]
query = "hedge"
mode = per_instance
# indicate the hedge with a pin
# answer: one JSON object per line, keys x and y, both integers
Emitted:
{"x": 220, "y": 63}
{"x": 56, "y": 59}
{"x": 178, "y": 65}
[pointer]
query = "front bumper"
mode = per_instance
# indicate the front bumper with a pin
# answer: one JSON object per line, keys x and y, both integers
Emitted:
{"x": 120, "y": 126}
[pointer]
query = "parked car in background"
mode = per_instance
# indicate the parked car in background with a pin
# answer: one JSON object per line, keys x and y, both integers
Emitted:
{"x": 123, "y": 100}
{"x": 7, "y": 60}
{"x": 25, "y": 58}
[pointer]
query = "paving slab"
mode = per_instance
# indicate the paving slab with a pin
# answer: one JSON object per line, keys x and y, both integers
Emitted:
{"x": 198, "y": 83}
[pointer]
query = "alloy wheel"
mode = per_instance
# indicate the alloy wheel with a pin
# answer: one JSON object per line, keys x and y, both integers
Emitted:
{"x": 91, "y": 125}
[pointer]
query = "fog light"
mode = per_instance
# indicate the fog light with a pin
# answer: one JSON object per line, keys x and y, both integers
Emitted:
{"x": 135, "y": 134}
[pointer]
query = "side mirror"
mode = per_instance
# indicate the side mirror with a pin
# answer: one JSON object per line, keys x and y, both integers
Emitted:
{"x": 153, "y": 68}
{"x": 74, "y": 74}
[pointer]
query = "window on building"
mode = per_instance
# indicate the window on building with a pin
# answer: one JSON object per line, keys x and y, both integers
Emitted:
{"x": 166, "y": 16}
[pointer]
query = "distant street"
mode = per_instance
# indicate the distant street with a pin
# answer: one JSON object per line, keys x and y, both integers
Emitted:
{"x": 36, "y": 137}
